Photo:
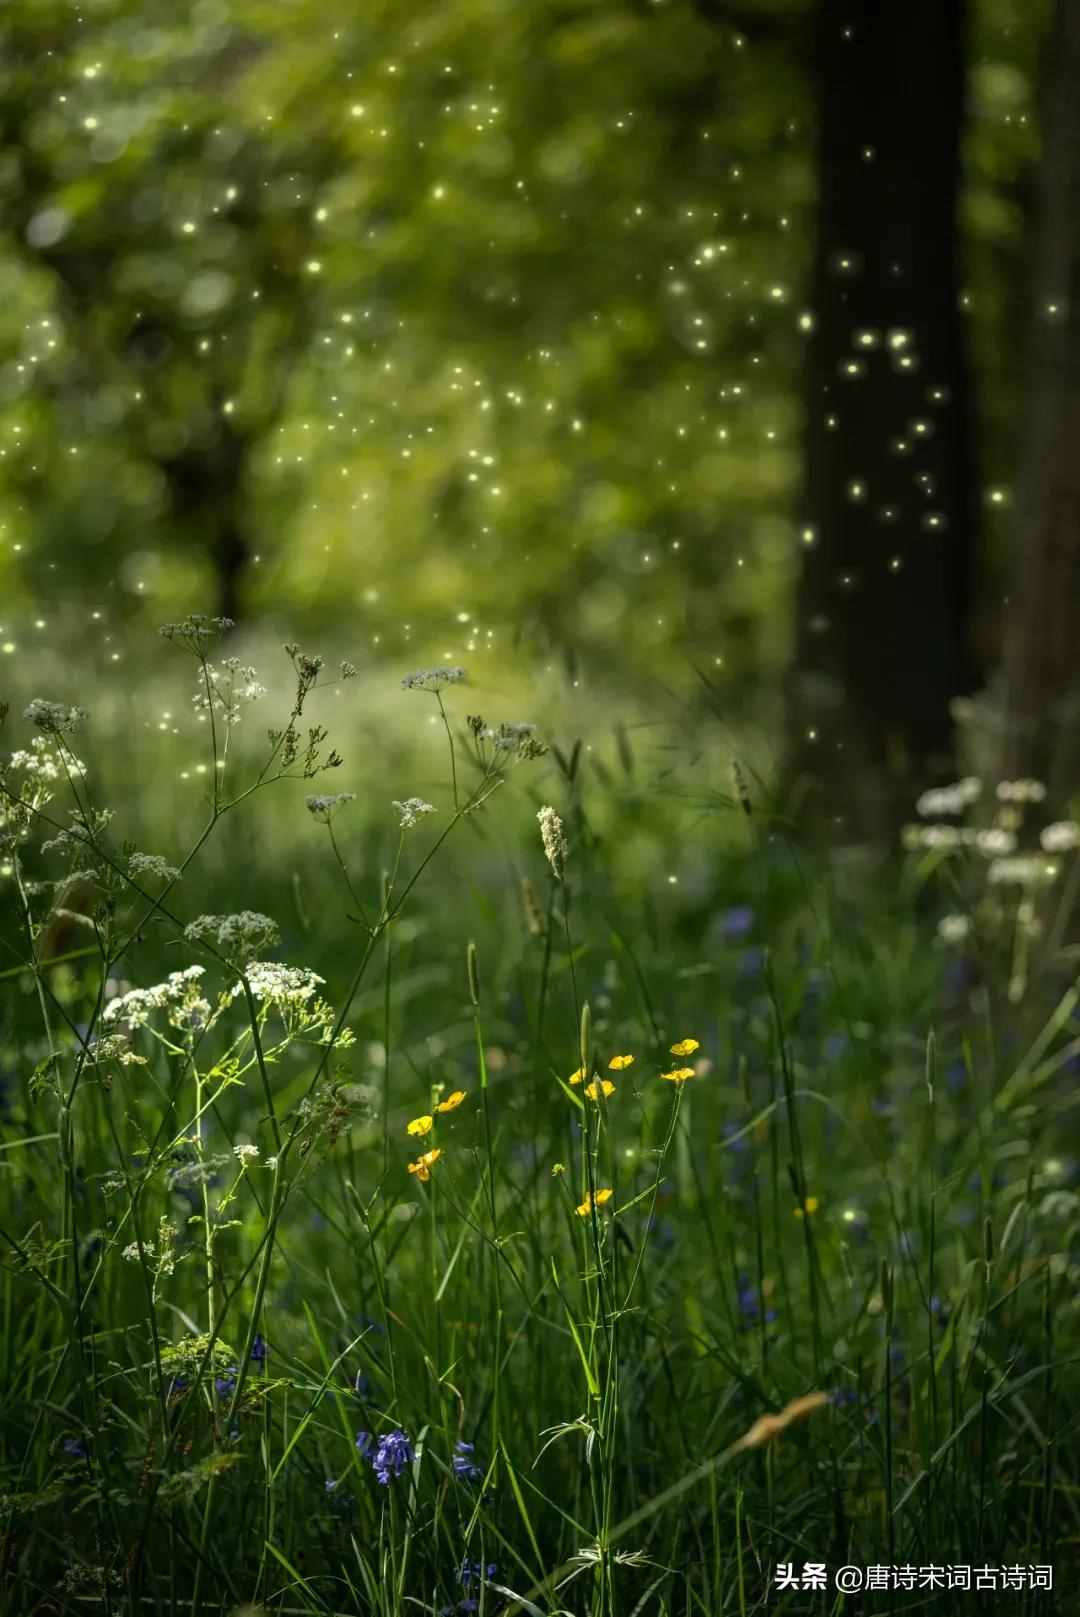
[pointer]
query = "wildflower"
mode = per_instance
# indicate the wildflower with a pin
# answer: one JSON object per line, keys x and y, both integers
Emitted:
{"x": 1024, "y": 870}
{"x": 767, "y": 1427}
{"x": 598, "y": 1087}
{"x": 590, "y": 1202}
{"x": 423, "y": 1166}
{"x": 679, "y": 1075}
{"x": 750, "y": 1303}
{"x": 324, "y": 807}
{"x": 55, "y": 718}
{"x": 432, "y": 679}
{"x": 225, "y": 1383}
{"x": 577, "y": 1077}
{"x": 954, "y": 928}
{"x": 994, "y": 841}
{"x": 224, "y": 689}
{"x": 468, "y": 1570}
{"x": 240, "y": 937}
{"x": 75, "y": 1447}
{"x": 134, "y": 1007}
{"x": 554, "y": 840}
{"x": 557, "y": 1169}
{"x": 737, "y": 922}
{"x": 412, "y": 811}
{"x": 246, "y": 1153}
{"x": 152, "y": 864}
{"x": 259, "y": 1350}
{"x": 685, "y": 1047}
{"x": 287, "y": 987}
{"x": 809, "y": 1206}
{"x": 465, "y": 1470}
{"x": 1021, "y": 791}
{"x": 452, "y": 1102}
{"x": 1060, "y": 837}
{"x": 420, "y": 1125}
{"x": 949, "y": 799}
{"x": 393, "y": 1454}
{"x": 618, "y": 1063}
{"x": 364, "y": 1441}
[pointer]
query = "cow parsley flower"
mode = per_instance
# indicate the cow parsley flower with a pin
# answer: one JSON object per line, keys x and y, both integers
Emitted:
{"x": 240, "y": 937}
{"x": 324, "y": 807}
{"x": 432, "y": 679}
{"x": 55, "y": 718}
{"x": 412, "y": 811}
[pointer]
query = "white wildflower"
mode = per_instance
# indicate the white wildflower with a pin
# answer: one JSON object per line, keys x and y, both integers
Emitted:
{"x": 274, "y": 984}
{"x": 131, "y": 1253}
{"x": 226, "y": 688}
{"x": 554, "y": 840}
{"x": 246, "y": 1153}
{"x": 949, "y": 799}
{"x": 1025, "y": 870}
{"x": 152, "y": 864}
{"x": 135, "y": 1007}
{"x": 240, "y": 937}
{"x": 271, "y": 1163}
{"x": 325, "y": 807}
{"x": 954, "y": 928}
{"x": 1061, "y": 837}
{"x": 1021, "y": 791}
{"x": 995, "y": 843}
{"x": 412, "y": 811}
{"x": 432, "y": 679}
{"x": 56, "y": 718}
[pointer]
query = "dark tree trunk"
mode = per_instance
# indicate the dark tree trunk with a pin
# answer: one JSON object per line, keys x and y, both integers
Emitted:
{"x": 206, "y": 489}
{"x": 1042, "y": 636}
{"x": 885, "y": 594}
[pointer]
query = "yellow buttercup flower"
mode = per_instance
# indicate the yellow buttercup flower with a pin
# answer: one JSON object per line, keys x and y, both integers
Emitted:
{"x": 451, "y": 1102}
{"x": 685, "y": 1047}
{"x": 679, "y": 1075}
{"x": 617, "y": 1063}
{"x": 598, "y": 1087}
{"x": 811, "y": 1204}
{"x": 420, "y": 1125}
{"x": 586, "y": 1207}
{"x": 577, "y": 1077}
{"x": 422, "y": 1168}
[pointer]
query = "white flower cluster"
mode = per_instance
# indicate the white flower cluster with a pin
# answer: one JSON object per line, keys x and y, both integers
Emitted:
{"x": 226, "y": 688}
{"x": 412, "y": 811}
{"x": 240, "y": 937}
{"x": 273, "y": 984}
{"x": 56, "y": 718}
{"x": 1021, "y": 791}
{"x": 554, "y": 839}
{"x": 953, "y": 929}
{"x": 993, "y": 842}
{"x": 325, "y": 807}
{"x": 246, "y": 1153}
{"x": 1025, "y": 870}
{"x": 1061, "y": 837}
{"x": 950, "y": 799}
{"x": 135, "y": 1008}
{"x": 152, "y": 864}
{"x": 432, "y": 679}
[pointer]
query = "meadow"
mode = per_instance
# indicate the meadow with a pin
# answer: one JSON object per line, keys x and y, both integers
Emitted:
{"x": 504, "y": 1172}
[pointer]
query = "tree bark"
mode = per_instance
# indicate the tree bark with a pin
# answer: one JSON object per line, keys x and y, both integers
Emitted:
{"x": 1042, "y": 622}
{"x": 884, "y": 599}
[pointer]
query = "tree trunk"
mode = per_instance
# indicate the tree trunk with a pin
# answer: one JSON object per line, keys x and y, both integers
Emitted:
{"x": 885, "y": 593}
{"x": 1042, "y": 636}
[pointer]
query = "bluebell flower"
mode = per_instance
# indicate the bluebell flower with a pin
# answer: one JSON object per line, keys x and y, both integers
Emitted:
{"x": 259, "y": 1350}
{"x": 392, "y": 1454}
{"x": 751, "y": 962}
{"x": 468, "y": 1570}
{"x": 836, "y": 1046}
{"x": 330, "y": 1484}
{"x": 737, "y": 922}
{"x": 749, "y": 1302}
{"x": 364, "y": 1441}
{"x": 465, "y": 1470}
{"x": 226, "y": 1382}
{"x": 956, "y": 1076}
{"x": 75, "y": 1447}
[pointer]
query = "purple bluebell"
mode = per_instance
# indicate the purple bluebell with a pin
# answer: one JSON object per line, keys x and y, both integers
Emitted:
{"x": 225, "y": 1383}
{"x": 259, "y": 1350}
{"x": 392, "y": 1454}
{"x": 75, "y": 1447}
{"x": 465, "y": 1469}
{"x": 737, "y": 922}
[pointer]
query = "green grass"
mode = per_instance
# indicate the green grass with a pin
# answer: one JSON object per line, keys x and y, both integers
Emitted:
{"x": 867, "y": 1189}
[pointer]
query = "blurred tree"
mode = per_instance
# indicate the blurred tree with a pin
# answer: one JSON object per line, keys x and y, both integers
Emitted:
{"x": 890, "y": 507}
{"x": 1042, "y": 674}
